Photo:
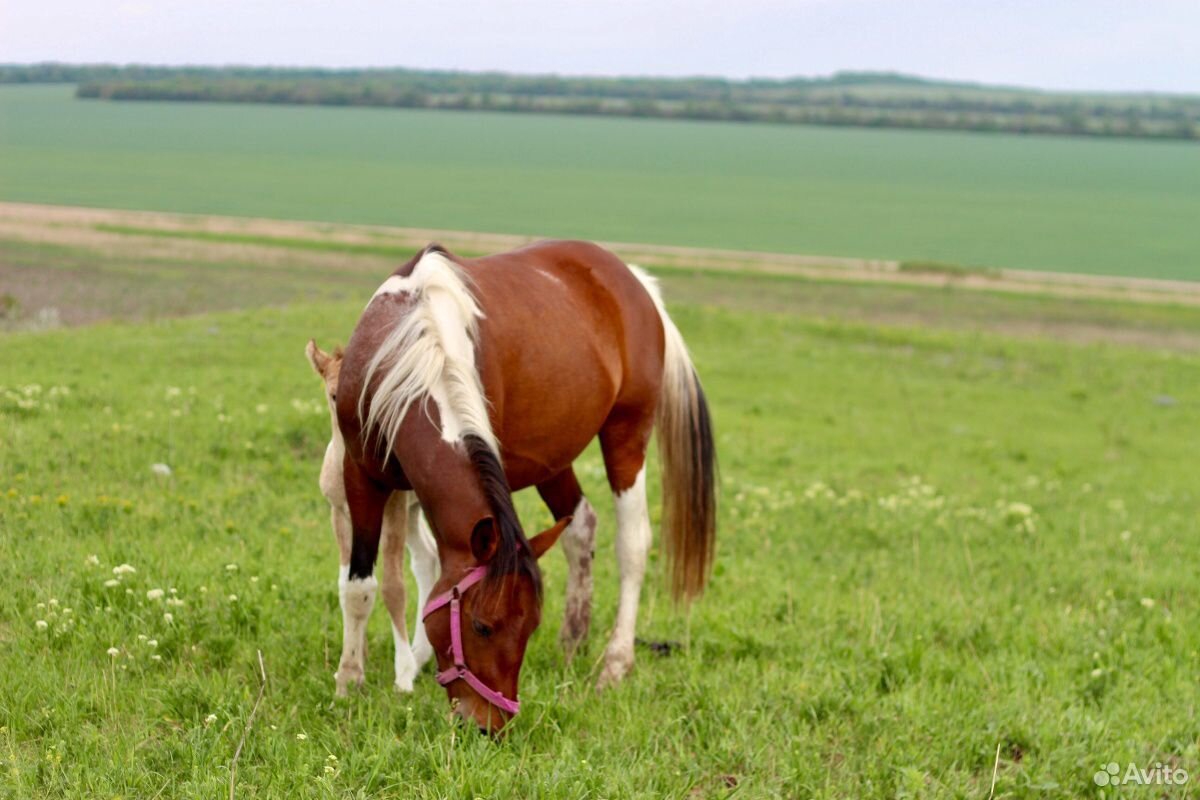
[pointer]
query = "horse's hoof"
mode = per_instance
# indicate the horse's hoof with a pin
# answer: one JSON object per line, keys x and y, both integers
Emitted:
{"x": 345, "y": 678}
{"x": 615, "y": 670}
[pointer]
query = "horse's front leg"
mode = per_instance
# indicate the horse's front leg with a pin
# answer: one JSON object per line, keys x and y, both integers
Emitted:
{"x": 357, "y": 586}
{"x": 352, "y": 664}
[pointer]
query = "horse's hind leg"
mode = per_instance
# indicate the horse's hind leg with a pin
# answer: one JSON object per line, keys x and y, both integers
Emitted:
{"x": 624, "y": 439}
{"x": 563, "y": 496}
{"x": 395, "y": 531}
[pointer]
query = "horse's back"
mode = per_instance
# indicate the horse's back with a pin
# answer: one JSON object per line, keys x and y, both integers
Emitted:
{"x": 569, "y": 333}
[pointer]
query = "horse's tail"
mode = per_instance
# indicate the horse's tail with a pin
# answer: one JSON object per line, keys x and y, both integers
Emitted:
{"x": 688, "y": 454}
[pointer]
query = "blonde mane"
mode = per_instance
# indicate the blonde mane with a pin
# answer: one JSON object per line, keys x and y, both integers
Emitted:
{"x": 429, "y": 354}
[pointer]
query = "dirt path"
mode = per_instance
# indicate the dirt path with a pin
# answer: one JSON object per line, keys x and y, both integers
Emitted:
{"x": 79, "y": 225}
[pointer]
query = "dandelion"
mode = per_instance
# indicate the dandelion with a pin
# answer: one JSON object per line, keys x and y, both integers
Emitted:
{"x": 1147, "y": 602}
{"x": 42, "y": 624}
{"x": 92, "y": 561}
{"x": 169, "y": 618}
{"x": 210, "y": 719}
{"x": 155, "y": 594}
{"x": 114, "y": 652}
{"x": 124, "y": 569}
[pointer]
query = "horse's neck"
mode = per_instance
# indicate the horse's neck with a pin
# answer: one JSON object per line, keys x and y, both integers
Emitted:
{"x": 448, "y": 487}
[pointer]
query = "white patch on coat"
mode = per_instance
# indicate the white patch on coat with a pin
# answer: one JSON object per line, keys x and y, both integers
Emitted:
{"x": 357, "y": 598}
{"x": 429, "y": 353}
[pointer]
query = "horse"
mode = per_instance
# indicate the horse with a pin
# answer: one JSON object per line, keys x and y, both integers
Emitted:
{"x": 466, "y": 379}
{"x": 402, "y": 523}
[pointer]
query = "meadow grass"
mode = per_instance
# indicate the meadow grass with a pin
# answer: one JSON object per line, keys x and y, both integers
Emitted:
{"x": 1047, "y": 203}
{"x": 933, "y": 546}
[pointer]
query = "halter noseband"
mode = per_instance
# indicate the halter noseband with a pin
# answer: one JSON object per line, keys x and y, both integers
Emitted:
{"x": 460, "y": 668}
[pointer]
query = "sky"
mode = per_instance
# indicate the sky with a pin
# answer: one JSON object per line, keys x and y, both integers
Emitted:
{"x": 1125, "y": 45}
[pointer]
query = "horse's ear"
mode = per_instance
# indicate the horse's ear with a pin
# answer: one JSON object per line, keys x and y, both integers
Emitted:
{"x": 546, "y": 539}
{"x": 317, "y": 357}
{"x": 484, "y": 540}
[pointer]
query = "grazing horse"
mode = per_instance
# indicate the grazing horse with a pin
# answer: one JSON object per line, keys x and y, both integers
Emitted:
{"x": 402, "y": 523}
{"x": 469, "y": 378}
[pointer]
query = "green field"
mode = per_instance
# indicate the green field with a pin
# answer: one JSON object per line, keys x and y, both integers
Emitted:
{"x": 945, "y": 557}
{"x": 1045, "y": 203}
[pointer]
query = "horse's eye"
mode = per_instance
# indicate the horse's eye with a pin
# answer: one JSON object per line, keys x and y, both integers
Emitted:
{"x": 333, "y": 397}
{"x": 483, "y": 630}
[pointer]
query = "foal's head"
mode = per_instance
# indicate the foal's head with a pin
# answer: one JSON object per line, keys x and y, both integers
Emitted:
{"x": 496, "y": 618}
{"x": 328, "y": 366}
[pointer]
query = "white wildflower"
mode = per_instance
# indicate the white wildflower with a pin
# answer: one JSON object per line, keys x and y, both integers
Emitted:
{"x": 300, "y": 737}
{"x": 124, "y": 569}
{"x": 155, "y": 594}
{"x": 152, "y": 642}
{"x": 92, "y": 561}
{"x": 162, "y": 470}
{"x": 111, "y": 582}
{"x": 233, "y": 598}
{"x": 114, "y": 652}
{"x": 231, "y": 567}
{"x": 169, "y": 618}
{"x": 210, "y": 719}
{"x": 1147, "y": 602}
{"x": 42, "y": 624}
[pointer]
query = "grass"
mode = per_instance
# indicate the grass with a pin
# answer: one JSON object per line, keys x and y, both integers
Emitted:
{"x": 934, "y": 544}
{"x": 1046, "y": 203}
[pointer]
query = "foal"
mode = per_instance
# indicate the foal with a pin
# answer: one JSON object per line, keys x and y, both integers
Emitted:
{"x": 402, "y": 524}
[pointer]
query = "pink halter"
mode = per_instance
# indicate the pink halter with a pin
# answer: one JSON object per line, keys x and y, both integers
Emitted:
{"x": 460, "y": 669}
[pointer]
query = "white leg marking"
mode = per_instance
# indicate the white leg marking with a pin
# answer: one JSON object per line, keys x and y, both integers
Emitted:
{"x": 406, "y": 662}
{"x": 357, "y": 596}
{"x": 579, "y": 547}
{"x": 633, "y": 542}
{"x": 426, "y": 568}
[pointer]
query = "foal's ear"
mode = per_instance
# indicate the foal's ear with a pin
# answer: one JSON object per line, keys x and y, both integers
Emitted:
{"x": 317, "y": 357}
{"x": 484, "y": 540}
{"x": 546, "y": 539}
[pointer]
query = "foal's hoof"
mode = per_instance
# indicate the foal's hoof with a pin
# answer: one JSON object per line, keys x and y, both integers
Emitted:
{"x": 345, "y": 678}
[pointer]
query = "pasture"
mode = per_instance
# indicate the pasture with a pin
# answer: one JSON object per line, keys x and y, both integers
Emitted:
{"x": 950, "y": 553}
{"x": 1044, "y": 203}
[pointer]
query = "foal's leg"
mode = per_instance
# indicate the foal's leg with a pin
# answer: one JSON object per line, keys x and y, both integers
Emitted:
{"x": 357, "y": 585}
{"x": 422, "y": 549}
{"x": 563, "y": 496}
{"x": 395, "y": 531}
{"x": 623, "y": 440}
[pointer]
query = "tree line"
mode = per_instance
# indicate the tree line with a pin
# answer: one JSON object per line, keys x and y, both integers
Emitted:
{"x": 849, "y": 98}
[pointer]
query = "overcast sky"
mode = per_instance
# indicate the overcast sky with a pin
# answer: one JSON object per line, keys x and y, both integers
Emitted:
{"x": 1071, "y": 44}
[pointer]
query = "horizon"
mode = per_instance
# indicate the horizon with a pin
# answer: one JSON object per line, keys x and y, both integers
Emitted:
{"x": 1053, "y": 46}
{"x": 814, "y": 77}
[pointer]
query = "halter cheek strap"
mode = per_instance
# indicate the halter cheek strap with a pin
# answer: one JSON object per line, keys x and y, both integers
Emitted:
{"x": 460, "y": 669}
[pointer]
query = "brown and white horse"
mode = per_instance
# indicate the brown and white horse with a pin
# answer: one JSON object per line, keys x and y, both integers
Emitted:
{"x": 467, "y": 379}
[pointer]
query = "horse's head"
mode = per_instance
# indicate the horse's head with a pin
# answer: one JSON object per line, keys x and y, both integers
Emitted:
{"x": 328, "y": 366}
{"x": 496, "y": 616}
